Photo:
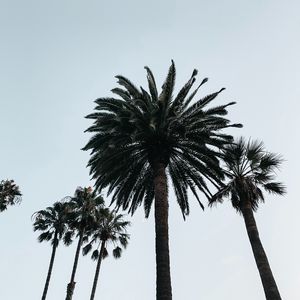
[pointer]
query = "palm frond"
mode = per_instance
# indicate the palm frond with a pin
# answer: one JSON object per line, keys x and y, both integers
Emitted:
{"x": 95, "y": 254}
{"x": 117, "y": 252}
{"x": 276, "y": 188}
{"x": 152, "y": 84}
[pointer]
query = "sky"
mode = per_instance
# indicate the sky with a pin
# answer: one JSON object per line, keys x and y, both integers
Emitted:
{"x": 57, "y": 57}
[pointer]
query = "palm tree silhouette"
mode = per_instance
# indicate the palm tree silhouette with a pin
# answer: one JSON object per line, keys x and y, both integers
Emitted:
{"x": 109, "y": 228}
{"x": 250, "y": 170}
{"x": 139, "y": 138}
{"x": 84, "y": 205}
{"x": 53, "y": 222}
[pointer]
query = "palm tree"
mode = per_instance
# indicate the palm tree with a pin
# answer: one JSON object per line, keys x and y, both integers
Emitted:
{"x": 109, "y": 228}
{"x": 53, "y": 222}
{"x": 84, "y": 205}
{"x": 9, "y": 194}
{"x": 250, "y": 170}
{"x": 141, "y": 137}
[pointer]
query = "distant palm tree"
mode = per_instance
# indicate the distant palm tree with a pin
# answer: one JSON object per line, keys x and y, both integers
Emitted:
{"x": 141, "y": 137}
{"x": 84, "y": 205}
{"x": 9, "y": 194}
{"x": 109, "y": 228}
{"x": 53, "y": 221}
{"x": 250, "y": 170}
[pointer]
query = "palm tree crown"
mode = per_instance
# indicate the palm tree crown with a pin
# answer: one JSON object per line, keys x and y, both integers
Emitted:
{"x": 53, "y": 221}
{"x": 109, "y": 228}
{"x": 138, "y": 130}
{"x": 84, "y": 205}
{"x": 9, "y": 194}
{"x": 250, "y": 170}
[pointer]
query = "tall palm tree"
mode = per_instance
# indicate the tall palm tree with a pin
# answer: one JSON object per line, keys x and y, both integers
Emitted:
{"x": 84, "y": 205}
{"x": 109, "y": 228}
{"x": 141, "y": 137}
{"x": 9, "y": 194}
{"x": 53, "y": 222}
{"x": 250, "y": 170}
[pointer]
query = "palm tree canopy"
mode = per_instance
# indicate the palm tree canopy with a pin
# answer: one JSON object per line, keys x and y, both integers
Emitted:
{"x": 9, "y": 194}
{"x": 138, "y": 129}
{"x": 250, "y": 169}
{"x": 108, "y": 228}
{"x": 53, "y": 220}
{"x": 84, "y": 205}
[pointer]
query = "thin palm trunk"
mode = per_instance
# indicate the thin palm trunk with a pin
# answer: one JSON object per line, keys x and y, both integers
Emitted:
{"x": 268, "y": 281}
{"x": 55, "y": 244}
{"x": 163, "y": 276}
{"x": 71, "y": 285}
{"x": 97, "y": 271}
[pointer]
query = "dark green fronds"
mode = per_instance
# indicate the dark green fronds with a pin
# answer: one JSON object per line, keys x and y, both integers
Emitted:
{"x": 122, "y": 93}
{"x": 109, "y": 228}
{"x": 152, "y": 84}
{"x": 249, "y": 168}
{"x": 129, "y": 86}
{"x": 270, "y": 162}
{"x": 123, "y": 239}
{"x": 117, "y": 252}
{"x": 276, "y": 188}
{"x": 45, "y": 236}
{"x": 67, "y": 238}
{"x": 193, "y": 94}
{"x": 9, "y": 194}
{"x": 167, "y": 88}
{"x": 84, "y": 204}
{"x": 131, "y": 135}
{"x": 181, "y": 97}
{"x": 95, "y": 254}
{"x": 86, "y": 249}
{"x": 53, "y": 222}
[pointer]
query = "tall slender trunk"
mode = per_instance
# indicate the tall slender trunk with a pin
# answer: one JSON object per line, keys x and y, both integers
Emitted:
{"x": 163, "y": 276}
{"x": 55, "y": 244}
{"x": 268, "y": 281}
{"x": 71, "y": 285}
{"x": 97, "y": 270}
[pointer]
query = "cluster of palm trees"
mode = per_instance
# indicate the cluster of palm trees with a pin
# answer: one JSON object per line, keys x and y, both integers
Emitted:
{"x": 142, "y": 141}
{"x": 140, "y": 138}
{"x": 83, "y": 216}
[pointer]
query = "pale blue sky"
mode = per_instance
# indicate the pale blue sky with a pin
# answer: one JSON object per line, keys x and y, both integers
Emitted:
{"x": 56, "y": 57}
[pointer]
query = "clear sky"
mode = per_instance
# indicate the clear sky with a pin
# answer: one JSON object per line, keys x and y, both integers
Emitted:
{"x": 56, "y": 57}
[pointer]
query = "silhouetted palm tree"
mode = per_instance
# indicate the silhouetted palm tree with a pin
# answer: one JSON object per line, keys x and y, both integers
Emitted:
{"x": 84, "y": 205}
{"x": 251, "y": 169}
{"x": 53, "y": 221}
{"x": 109, "y": 228}
{"x": 9, "y": 194}
{"x": 141, "y": 137}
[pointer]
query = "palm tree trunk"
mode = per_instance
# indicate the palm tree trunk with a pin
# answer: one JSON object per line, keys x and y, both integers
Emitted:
{"x": 55, "y": 244}
{"x": 163, "y": 276}
{"x": 97, "y": 271}
{"x": 71, "y": 285}
{"x": 268, "y": 281}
